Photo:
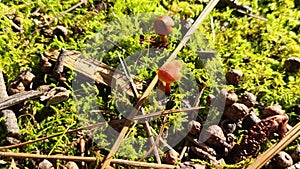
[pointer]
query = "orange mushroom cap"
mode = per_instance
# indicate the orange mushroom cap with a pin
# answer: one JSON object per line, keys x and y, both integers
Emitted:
{"x": 170, "y": 72}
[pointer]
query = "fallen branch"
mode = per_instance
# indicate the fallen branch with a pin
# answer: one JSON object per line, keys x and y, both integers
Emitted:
{"x": 97, "y": 72}
{"x": 263, "y": 158}
{"x": 85, "y": 159}
{"x": 19, "y": 98}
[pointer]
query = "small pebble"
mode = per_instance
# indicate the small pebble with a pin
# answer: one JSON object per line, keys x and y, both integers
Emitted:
{"x": 248, "y": 99}
{"x": 296, "y": 153}
{"x": 292, "y": 64}
{"x": 234, "y": 76}
{"x": 170, "y": 157}
{"x": 272, "y": 110}
{"x": 72, "y": 165}
{"x": 45, "y": 164}
{"x": 236, "y": 112}
{"x": 282, "y": 160}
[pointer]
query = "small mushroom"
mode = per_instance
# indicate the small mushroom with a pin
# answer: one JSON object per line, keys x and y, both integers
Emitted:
{"x": 282, "y": 160}
{"x": 46, "y": 67}
{"x": 27, "y": 77}
{"x": 296, "y": 153}
{"x": 169, "y": 73}
{"x": 292, "y": 64}
{"x": 163, "y": 27}
{"x": 272, "y": 110}
{"x": 248, "y": 99}
{"x": 234, "y": 76}
{"x": 236, "y": 112}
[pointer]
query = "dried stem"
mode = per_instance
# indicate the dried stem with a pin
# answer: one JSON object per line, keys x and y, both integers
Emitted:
{"x": 86, "y": 159}
{"x": 182, "y": 43}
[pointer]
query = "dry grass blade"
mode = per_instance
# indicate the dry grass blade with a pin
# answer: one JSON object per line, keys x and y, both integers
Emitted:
{"x": 182, "y": 43}
{"x": 86, "y": 159}
{"x": 263, "y": 158}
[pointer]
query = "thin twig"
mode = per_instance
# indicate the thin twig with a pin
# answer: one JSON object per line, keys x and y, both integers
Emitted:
{"x": 263, "y": 158}
{"x": 157, "y": 139}
{"x": 135, "y": 93}
{"x": 182, "y": 43}
{"x": 54, "y": 135}
{"x": 162, "y": 140}
{"x": 252, "y": 15}
{"x": 197, "y": 100}
{"x": 86, "y": 159}
{"x": 12, "y": 23}
{"x": 67, "y": 11}
{"x": 165, "y": 112}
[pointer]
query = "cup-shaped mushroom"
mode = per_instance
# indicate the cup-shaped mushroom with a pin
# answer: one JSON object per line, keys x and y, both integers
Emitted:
{"x": 170, "y": 73}
{"x": 163, "y": 27}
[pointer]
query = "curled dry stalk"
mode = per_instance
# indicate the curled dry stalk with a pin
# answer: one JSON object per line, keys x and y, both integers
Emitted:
{"x": 140, "y": 102}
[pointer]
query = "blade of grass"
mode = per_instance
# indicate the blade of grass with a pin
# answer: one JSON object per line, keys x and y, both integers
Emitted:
{"x": 182, "y": 43}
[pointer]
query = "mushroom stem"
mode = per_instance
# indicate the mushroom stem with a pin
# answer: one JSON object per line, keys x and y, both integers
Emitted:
{"x": 168, "y": 88}
{"x": 164, "y": 38}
